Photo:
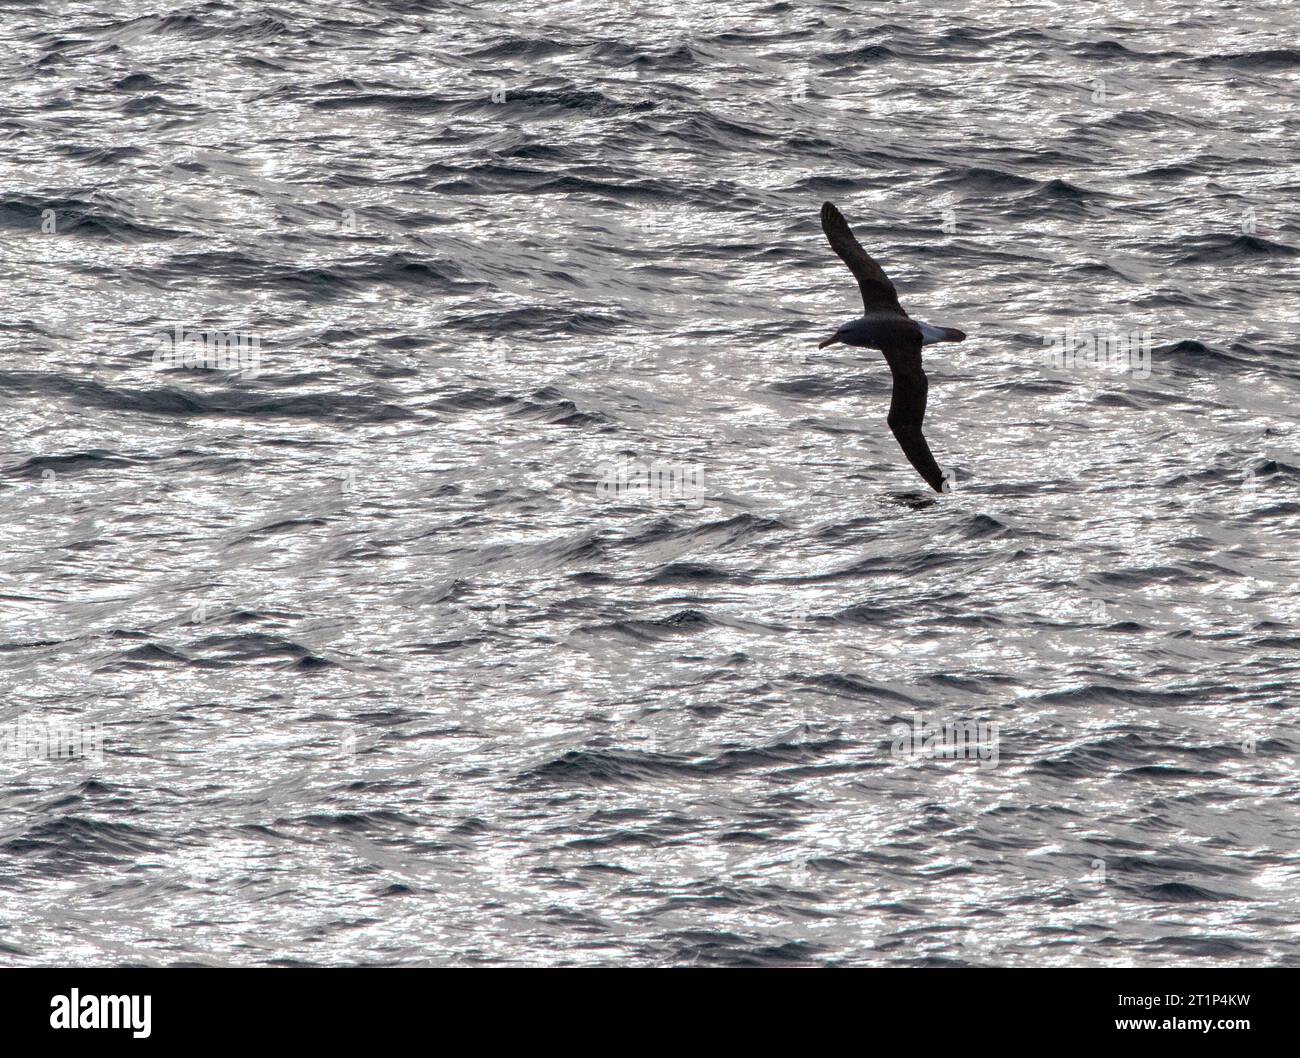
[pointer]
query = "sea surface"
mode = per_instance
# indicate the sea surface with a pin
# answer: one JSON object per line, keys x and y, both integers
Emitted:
{"x": 530, "y": 589}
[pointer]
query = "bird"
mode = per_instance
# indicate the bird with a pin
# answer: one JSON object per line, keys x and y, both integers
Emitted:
{"x": 886, "y": 327}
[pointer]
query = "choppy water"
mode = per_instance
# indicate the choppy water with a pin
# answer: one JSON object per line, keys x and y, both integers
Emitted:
{"x": 382, "y": 671}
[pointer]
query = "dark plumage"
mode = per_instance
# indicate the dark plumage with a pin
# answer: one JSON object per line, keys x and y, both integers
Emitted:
{"x": 885, "y": 326}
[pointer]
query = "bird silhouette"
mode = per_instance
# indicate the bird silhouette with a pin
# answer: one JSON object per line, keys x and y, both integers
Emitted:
{"x": 886, "y": 327}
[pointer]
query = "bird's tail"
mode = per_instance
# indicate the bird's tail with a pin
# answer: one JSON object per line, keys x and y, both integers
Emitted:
{"x": 829, "y": 341}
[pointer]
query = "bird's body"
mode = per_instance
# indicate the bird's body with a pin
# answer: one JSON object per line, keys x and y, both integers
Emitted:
{"x": 883, "y": 330}
{"x": 886, "y": 327}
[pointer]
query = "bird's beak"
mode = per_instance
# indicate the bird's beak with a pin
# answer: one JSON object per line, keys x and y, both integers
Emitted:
{"x": 829, "y": 341}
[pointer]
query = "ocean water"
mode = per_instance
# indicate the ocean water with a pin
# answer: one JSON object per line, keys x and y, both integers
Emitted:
{"x": 431, "y": 535}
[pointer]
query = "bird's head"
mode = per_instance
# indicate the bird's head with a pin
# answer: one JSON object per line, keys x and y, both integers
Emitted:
{"x": 845, "y": 332}
{"x": 838, "y": 336}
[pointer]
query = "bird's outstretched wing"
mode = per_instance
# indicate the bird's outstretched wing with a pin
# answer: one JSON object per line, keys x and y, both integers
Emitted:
{"x": 907, "y": 410}
{"x": 878, "y": 293}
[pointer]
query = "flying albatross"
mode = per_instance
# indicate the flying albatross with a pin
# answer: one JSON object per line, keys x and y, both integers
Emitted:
{"x": 885, "y": 326}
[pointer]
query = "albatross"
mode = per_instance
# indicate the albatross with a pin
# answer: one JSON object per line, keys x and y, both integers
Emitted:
{"x": 886, "y": 327}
